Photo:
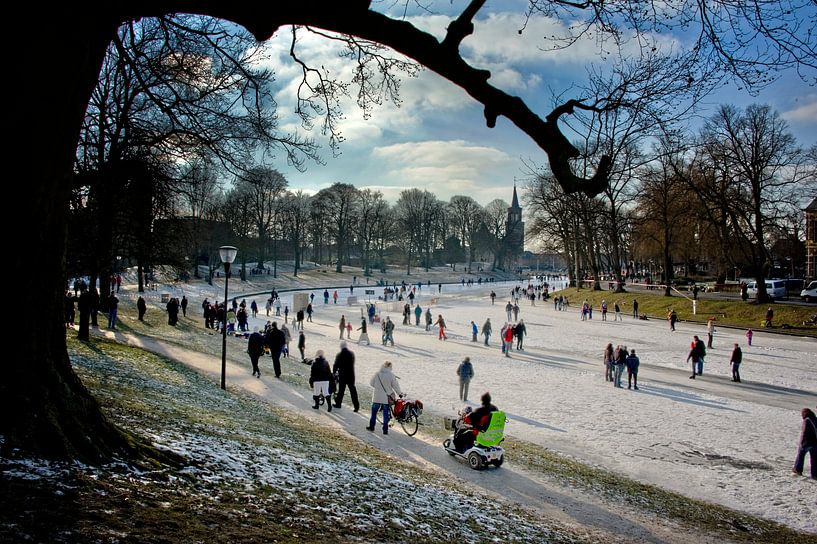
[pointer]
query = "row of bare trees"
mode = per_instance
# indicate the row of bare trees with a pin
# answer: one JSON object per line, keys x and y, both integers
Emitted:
{"x": 340, "y": 224}
{"x": 726, "y": 198}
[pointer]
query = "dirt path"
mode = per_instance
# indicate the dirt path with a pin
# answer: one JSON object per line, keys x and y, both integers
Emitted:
{"x": 573, "y": 507}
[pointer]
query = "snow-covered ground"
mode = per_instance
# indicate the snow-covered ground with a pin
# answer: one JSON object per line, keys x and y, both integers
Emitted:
{"x": 731, "y": 444}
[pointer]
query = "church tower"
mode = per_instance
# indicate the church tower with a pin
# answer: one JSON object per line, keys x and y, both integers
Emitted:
{"x": 514, "y": 232}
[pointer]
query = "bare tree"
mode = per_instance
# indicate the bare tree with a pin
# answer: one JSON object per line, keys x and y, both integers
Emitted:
{"x": 295, "y": 214}
{"x": 265, "y": 188}
{"x": 340, "y": 204}
{"x": 766, "y": 172}
{"x": 198, "y": 191}
{"x": 372, "y": 211}
{"x": 466, "y": 217}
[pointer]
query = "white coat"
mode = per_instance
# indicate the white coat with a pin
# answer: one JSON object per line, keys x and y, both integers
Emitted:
{"x": 384, "y": 383}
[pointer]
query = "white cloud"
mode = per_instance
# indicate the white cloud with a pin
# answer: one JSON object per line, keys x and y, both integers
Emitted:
{"x": 804, "y": 112}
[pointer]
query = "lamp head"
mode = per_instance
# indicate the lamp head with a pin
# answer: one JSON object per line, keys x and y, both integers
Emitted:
{"x": 227, "y": 254}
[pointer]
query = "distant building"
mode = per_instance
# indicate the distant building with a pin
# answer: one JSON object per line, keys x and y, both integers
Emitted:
{"x": 811, "y": 240}
{"x": 514, "y": 232}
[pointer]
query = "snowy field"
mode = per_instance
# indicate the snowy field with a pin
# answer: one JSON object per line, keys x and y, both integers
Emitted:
{"x": 731, "y": 444}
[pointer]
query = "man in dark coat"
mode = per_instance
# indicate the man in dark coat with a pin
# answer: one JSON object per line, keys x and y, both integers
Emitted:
{"x": 184, "y": 306}
{"x": 255, "y": 348}
{"x": 142, "y": 308}
{"x": 344, "y": 368}
{"x": 735, "y": 360}
{"x": 173, "y": 311}
{"x": 275, "y": 341}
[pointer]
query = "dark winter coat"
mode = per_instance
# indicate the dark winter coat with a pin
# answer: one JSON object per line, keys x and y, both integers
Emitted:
{"x": 255, "y": 345}
{"x": 320, "y": 372}
{"x": 632, "y": 364}
{"x": 345, "y": 366}
{"x": 809, "y": 435}
{"x": 519, "y": 330}
{"x": 737, "y": 355}
{"x": 275, "y": 340}
{"x": 465, "y": 371}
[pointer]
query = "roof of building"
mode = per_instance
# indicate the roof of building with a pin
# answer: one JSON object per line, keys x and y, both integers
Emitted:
{"x": 810, "y": 208}
{"x": 515, "y": 202}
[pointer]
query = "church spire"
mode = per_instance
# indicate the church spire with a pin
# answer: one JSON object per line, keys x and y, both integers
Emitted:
{"x": 515, "y": 202}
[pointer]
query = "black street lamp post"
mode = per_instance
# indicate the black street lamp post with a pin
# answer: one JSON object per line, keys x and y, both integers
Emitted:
{"x": 227, "y": 254}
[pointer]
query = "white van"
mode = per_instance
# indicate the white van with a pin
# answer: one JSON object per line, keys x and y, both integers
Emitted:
{"x": 774, "y": 288}
{"x": 809, "y": 294}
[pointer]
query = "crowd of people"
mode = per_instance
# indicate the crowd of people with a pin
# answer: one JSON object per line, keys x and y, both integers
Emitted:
{"x": 275, "y": 340}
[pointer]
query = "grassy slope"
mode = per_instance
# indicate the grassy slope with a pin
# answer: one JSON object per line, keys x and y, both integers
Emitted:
{"x": 732, "y": 313}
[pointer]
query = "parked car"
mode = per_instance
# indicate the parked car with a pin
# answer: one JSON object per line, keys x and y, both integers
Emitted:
{"x": 774, "y": 288}
{"x": 809, "y": 294}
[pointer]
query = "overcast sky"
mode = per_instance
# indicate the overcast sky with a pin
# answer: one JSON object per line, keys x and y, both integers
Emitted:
{"x": 437, "y": 138}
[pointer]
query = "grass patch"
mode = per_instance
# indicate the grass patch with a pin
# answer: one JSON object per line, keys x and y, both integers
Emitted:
{"x": 732, "y": 313}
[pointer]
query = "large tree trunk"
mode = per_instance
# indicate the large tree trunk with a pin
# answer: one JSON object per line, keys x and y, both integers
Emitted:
{"x": 46, "y": 410}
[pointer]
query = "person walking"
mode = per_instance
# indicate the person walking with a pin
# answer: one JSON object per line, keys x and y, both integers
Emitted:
{"x": 429, "y": 318}
{"x": 672, "y": 317}
{"x": 617, "y": 310}
{"x": 299, "y": 320}
{"x": 609, "y": 362}
{"x": 508, "y": 311}
{"x": 388, "y": 331}
{"x": 335, "y": 297}
{"x": 418, "y": 313}
{"x": 734, "y": 361}
{"x": 632, "y": 363}
{"x": 255, "y": 349}
{"x": 749, "y": 335}
{"x": 275, "y": 341}
{"x": 309, "y": 311}
{"x": 253, "y": 308}
{"x": 342, "y": 326}
{"x": 302, "y": 345}
{"x": 141, "y": 307}
{"x": 515, "y": 311}
{"x": 808, "y": 444}
{"x": 326, "y": 296}
{"x": 604, "y": 310}
{"x": 465, "y": 372}
{"x": 364, "y": 336}
{"x": 321, "y": 380}
{"x": 113, "y": 306}
{"x": 508, "y": 340}
{"x": 635, "y": 309}
{"x": 697, "y": 352}
{"x": 344, "y": 369}
{"x": 474, "y": 331}
{"x": 710, "y": 331}
{"x": 441, "y": 322}
{"x": 769, "y": 317}
{"x": 384, "y": 388}
{"x": 486, "y": 330}
{"x": 520, "y": 331}
{"x": 183, "y": 305}
{"x": 287, "y": 339}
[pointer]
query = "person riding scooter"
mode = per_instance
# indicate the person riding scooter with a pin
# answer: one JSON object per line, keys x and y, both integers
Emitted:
{"x": 473, "y": 423}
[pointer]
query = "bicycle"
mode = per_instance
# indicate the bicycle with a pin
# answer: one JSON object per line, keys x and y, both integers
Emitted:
{"x": 405, "y": 412}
